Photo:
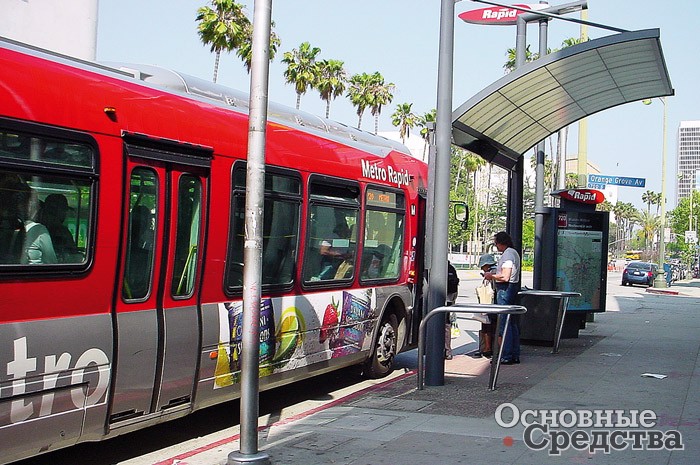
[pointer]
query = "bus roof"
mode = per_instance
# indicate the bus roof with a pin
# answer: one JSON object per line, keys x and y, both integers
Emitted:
{"x": 216, "y": 94}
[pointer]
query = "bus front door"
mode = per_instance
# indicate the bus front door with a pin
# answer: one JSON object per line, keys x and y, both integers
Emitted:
{"x": 157, "y": 321}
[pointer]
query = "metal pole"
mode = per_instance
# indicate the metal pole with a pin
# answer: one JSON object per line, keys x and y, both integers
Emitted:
{"x": 252, "y": 252}
{"x": 662, "y": 234}
{"x": 582, "y": 163}
{"x": 437, "y": 279}
{"x": 539, "y": 183}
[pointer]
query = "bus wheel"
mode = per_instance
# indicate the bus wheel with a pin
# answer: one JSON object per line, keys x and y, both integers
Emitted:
{"x": 382, "y": 361}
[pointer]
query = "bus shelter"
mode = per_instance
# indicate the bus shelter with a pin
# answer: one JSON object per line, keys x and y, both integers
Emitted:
{"x": 513, "y": 114}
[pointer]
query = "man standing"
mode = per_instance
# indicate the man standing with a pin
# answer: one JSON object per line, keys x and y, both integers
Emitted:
{"x": 507, "y": 279}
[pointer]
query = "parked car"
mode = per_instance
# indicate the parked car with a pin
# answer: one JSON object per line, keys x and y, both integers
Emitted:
{"x": 639, "y": 273}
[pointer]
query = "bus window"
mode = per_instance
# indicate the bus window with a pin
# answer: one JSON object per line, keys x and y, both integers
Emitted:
{"x": 331, "y": 244}
{"x": 140, "y": 246}
{"x": 280, "y": 228}
{"x": 44, "y": 214}
{"x": 384, "y": 233}
{"x": 189, "y": 217}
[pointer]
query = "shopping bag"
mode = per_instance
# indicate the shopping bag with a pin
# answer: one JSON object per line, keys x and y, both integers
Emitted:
{"x": 485, "y": 295}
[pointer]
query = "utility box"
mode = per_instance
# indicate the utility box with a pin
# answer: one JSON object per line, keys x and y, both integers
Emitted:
{"x": 574, "y": 248}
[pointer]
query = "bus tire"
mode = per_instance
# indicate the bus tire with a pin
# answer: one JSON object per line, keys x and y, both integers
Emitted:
{"x": 381, "y": 363}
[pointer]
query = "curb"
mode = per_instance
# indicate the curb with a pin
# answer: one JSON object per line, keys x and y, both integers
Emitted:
{"x": 652, "y": 290}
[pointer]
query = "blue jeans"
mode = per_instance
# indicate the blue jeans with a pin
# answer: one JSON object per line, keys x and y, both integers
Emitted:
{"x": 505, "y": 295}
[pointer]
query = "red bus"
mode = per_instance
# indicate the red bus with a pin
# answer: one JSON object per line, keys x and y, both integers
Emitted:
{"x": 122, "y": 192}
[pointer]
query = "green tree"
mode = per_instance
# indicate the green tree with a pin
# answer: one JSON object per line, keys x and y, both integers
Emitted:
{"x": 509, "y": 65}
{"x": 302, "y": 69}
{"x": 626, "y": 217}
{"x": 424, "y": 122}
{"x": 650, "y": 224}
{"x": 380, "y": 95}
{"x": 404, "y": 119}
{"x": 332, "y": 81}
{"x": 648, "y": 198}
{"x": 685, "y": 218}
{"x": 360, "y": 94}
{"x": 604, "y": 206}
{"x": 245, "y": 49}
{"x": 223, "y": 27}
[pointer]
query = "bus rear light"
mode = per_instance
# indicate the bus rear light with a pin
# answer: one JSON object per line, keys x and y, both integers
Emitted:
{"x": 412, "y": 276}
{"x": 213, "y": 355}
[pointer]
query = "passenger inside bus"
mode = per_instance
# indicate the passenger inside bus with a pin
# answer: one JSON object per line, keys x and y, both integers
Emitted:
{"x": 53, "y": 214}
{"x": 38, "y": 246}
{"x": 336, "y": 260}
{"x": 11, "y": 225}
{"x": 139, "y": 257}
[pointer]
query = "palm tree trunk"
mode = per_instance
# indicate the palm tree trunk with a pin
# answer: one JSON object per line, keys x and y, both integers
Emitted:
{"x": 328, "y": 109}
{"x": 298, "y": 100}
{"x": 359, "y": 121}
{"x": 216, "y": 65}
{"x": 376, "y": 124}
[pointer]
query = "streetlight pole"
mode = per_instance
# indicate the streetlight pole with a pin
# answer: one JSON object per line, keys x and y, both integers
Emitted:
{"x": 437, "y": 277}
{"x": 660, "y": 280}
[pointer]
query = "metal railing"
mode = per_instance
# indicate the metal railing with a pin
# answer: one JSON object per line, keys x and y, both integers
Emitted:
{"x": 498, "y": 310}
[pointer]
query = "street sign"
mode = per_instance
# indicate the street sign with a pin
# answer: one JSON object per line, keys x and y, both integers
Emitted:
{"x": 691, "y": 237}
{"x": 616, "y": 180}
{"x": 497, "y": 15}
{"x": 588, "y": 196}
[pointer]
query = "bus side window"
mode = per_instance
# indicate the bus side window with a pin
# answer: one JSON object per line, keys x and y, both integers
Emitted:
{"x": 331, "y": 244}
{"x": 138, "y": 268}
{"x": 384, "y": 234}
{"x": 45, "y": 209}
{"x": 280, "y": 228}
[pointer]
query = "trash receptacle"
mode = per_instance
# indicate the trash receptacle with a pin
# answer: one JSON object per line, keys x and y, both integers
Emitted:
{"x": 541, "y": 325}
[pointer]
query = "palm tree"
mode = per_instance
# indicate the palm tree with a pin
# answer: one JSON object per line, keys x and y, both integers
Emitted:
{"x": 245, "y": 50}
{"x": 656, "y": 200}
{"x": 510, "y": 53}
{"x": 648, "y": 198}
{"x": 650, "y": 225}
{"x": 332, "y": 80}
{"x": 302, "y": 69}
{"x": 404, "y": 119}
{"x": 380, "y": 95}
{"x": 423, "y": 122}
{"x": 359, "y": 93}
{"x": 223, "y": 27}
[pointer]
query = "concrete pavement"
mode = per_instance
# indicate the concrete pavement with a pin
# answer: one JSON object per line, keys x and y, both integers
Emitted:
{"x": 391, "y": 422}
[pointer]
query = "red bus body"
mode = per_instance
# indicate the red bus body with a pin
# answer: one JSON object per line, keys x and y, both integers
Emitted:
{"x": 97, "y": 343}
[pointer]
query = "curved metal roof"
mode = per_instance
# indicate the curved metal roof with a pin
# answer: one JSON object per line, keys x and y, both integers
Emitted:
{"x": 536, "y": 100}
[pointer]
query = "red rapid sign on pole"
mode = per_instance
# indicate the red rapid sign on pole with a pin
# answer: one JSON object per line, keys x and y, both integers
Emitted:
{"x": 496, "y": 15}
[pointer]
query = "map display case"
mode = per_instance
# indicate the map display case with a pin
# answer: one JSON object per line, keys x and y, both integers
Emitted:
{"x": 581, "y": 257}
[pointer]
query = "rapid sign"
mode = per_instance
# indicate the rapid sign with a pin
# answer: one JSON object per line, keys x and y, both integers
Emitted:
{"x": 498, "y": 15}
{"x": 587, "y": 196}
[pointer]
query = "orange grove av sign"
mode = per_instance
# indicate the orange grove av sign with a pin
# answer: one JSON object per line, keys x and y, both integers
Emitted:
{"x": 498, "y": 15}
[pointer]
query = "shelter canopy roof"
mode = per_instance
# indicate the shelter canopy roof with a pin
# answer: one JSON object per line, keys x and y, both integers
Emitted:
{"x": 541, "y": 97}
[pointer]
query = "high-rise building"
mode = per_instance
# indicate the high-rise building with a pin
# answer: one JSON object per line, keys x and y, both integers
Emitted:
{"x": 69, "y": 28}
{"x": 688, "y": 159}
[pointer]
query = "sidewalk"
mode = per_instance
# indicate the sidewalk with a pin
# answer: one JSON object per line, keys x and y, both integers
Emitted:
{"x": 394, "y": 423}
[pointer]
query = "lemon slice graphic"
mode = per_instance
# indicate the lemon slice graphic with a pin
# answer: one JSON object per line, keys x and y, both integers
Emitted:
{"x": 290, "y": 333}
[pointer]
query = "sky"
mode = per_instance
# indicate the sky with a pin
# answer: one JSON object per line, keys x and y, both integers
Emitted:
{"x": 400, "y": 40}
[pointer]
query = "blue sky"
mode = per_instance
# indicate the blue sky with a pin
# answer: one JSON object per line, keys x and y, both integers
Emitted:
{"x": 400, "y": 40}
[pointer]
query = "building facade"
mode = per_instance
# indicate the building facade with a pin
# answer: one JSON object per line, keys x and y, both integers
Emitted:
{"x": 688, "y": 159}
